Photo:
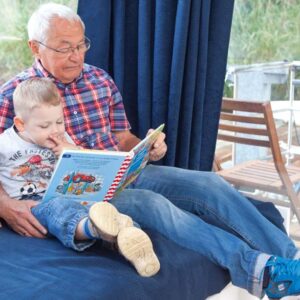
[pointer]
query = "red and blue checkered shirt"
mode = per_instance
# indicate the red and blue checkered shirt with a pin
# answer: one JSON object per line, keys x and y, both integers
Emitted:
{"x": 93, "y": 106}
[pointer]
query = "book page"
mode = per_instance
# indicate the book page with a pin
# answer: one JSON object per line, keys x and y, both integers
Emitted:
{"x": 140, "y": 157}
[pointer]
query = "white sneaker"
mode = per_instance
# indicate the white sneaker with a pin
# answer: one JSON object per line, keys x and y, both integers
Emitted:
{"x": 135, "y": 245}
{"x": 108, "y": 221}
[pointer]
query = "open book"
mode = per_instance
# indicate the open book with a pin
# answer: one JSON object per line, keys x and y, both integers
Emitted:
{"x": 95, "y": 175}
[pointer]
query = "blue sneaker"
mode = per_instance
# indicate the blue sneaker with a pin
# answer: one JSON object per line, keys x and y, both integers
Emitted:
{"x": 284, "y": 277}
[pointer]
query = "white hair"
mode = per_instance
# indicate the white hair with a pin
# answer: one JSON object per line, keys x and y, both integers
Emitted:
{"x": 40, "y": 21}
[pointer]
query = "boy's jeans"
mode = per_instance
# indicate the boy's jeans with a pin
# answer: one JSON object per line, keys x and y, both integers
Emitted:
{"x": 197, "y": 193}
{"x": 61, "y": 218}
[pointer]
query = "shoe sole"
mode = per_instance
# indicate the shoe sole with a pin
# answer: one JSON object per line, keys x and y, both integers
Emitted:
{"x": 107, "y": 220}
{"x": 135, "y": 245}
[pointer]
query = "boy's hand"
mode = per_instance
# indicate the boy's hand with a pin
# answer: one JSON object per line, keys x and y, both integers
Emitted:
{"x": 159, "y": 147}
{"x": 60, "y": 143}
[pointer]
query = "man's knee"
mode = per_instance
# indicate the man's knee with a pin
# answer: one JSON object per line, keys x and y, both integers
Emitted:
{"x": 141, "y": 198}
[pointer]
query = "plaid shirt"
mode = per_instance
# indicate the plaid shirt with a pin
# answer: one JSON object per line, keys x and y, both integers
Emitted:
{"x": 93, "y": 106}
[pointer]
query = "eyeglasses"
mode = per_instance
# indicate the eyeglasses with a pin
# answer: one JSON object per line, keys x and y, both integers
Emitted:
{"x": 81, "y": 48}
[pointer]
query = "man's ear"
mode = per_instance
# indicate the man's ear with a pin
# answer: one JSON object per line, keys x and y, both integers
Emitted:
{"x": 35, "y": 49}
{"x": 19, "y": 123}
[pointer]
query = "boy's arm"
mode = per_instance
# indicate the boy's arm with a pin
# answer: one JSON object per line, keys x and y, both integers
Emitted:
{"x": 18, "y": 216}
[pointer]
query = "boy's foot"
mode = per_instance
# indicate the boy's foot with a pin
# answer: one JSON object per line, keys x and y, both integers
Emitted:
{"x": 108, "y": 221}
{"x": 135, "y": 245}
{"x": 284, "y": 277}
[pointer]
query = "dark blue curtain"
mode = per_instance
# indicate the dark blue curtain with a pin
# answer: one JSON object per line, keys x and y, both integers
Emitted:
{"x": 168, "y": 58}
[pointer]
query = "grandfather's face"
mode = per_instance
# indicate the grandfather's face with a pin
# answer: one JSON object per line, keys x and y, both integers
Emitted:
{"x": 63, "y": 34}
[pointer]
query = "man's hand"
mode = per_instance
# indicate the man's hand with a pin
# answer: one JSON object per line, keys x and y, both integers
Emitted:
{"x": 60, "y": 143}
{"x": 18, "y": 216}
{"x": 127, "y": 141}
{"x": 159, "y": 147}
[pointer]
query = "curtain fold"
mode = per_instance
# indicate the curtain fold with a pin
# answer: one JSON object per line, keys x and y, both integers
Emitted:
{"x": 168, "y": 58}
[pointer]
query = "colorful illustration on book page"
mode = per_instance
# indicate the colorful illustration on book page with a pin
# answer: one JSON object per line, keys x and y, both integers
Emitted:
{"x": 79, "y": 183}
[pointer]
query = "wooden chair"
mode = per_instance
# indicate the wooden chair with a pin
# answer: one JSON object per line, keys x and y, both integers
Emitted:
{"x": 252, "y": 123}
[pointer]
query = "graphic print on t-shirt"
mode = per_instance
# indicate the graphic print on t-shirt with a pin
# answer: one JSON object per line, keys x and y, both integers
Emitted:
{"x": 35, "y": 172}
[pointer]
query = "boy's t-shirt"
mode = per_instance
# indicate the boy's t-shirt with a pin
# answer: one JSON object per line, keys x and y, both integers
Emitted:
{"x": 25, "y": 168}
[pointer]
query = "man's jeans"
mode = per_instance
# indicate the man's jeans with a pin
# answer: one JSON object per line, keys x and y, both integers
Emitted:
{"x": 234, "y": 234}
{"x": 230, "y": 230}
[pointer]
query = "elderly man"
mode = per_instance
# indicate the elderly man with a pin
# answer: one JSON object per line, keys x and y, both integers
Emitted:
{"x": 172, "y": 201}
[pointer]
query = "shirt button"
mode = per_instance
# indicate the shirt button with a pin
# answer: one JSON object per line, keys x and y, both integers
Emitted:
{"x": 75, "y": 112}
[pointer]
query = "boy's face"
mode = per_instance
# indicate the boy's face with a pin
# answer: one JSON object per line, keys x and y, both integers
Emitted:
{"x": 42, "y": 122}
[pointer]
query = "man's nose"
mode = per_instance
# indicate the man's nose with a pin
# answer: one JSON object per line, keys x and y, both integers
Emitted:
{"x": 75, "y": 53}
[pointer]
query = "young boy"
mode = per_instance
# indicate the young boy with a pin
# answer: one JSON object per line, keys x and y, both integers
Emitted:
{"x": 28, "y": 154}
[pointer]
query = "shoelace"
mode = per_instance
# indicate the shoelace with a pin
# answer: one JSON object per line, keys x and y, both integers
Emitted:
{"x": 278, "y": 268}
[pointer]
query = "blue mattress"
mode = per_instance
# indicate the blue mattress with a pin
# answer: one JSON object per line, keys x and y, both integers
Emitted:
{"x": 44, "y": 269}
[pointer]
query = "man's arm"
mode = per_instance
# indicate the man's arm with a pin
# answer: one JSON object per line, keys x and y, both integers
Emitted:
{"x": 18, "y": 215}
{"x": 6, "y": 109}
{"x": 127, "y": 141}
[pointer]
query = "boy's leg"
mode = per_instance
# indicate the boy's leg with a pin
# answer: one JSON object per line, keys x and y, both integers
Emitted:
{"x": 62, "y": 219}
{"x": 133, "y": 243}
{"x": 68, "y": 220}
{"x": 107, "y": 220}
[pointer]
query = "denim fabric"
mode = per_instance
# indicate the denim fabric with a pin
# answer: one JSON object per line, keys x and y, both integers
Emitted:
{"x": 204, "y": 214}
{"x": 61, "y": 218}
{"x": 229, "y": 230}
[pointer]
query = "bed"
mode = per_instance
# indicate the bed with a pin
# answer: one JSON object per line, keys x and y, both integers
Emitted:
{"x": 44, "y": 269}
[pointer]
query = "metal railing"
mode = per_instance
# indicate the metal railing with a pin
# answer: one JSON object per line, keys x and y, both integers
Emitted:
{"x": 288, "y": 76}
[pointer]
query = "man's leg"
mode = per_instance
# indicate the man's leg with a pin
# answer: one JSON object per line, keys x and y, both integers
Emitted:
{"x": 215, "y": 201}
{"x": 155, "y": 212}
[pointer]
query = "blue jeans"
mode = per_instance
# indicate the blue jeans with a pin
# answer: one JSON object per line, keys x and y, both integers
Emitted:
{"x": 61, "y": 218}
{"x": 234, "y": 234}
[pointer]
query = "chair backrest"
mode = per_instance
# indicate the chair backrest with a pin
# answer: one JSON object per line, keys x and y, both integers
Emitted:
{"x": 250, "y": 123}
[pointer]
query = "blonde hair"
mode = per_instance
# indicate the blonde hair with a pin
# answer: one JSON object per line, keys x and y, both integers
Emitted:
{"x": 33, "y": 93}
{"x": 39, "y": 24}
